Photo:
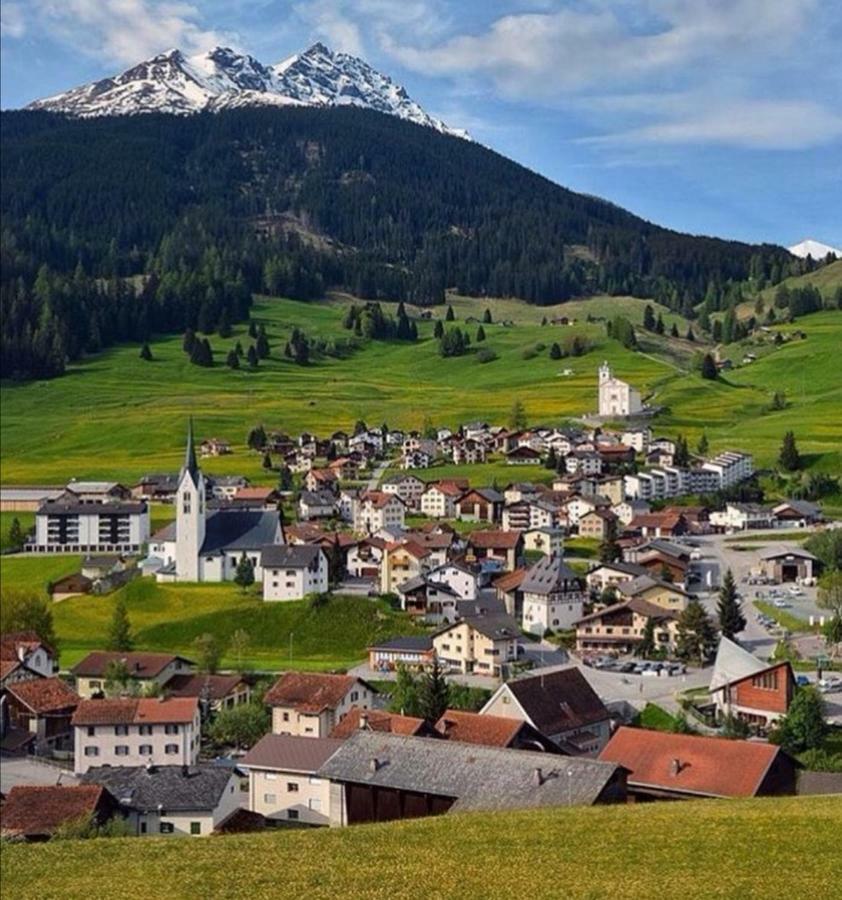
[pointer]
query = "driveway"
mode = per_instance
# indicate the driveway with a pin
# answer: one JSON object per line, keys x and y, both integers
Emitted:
{"x": 376, "y": 475}
{"x": 22, "y": 770}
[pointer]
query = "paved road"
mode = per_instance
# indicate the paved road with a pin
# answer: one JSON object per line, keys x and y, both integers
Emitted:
{"x": 376, "y": 475}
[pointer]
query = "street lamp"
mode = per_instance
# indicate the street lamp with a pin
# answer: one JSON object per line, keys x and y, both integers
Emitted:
{"x": 291, "y": 634}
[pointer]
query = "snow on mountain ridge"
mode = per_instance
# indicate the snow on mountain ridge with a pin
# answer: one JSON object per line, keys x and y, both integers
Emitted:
{"x": 222, "y": 78}
{"x": 816, "y": 249}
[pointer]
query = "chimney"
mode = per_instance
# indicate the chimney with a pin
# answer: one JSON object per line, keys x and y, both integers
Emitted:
{"x": 363, "y": 721}
{"x": 537, "y": 777}
{"x": 373, "y": 764}
{"x": 675, "y": 766}
{"x": 21, "y": 652}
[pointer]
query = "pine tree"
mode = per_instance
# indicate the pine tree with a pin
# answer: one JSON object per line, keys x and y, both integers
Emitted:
{"x": 252, "y": 357}
{"x": 555, "y": 351}
{"x": 517, "y": 416}
{"x": 449, "y": 316}
{"x": 480, "y": 334}
{"x": 703, "y": 446}
{"x": 649, "y": 318}
{"x": 709, "y": 370}
{"x": 238, "y": 349}
{"x": 690, "y": 336}
{"x": 731, "y": 619}
{"x": 252, "y": 329}
{"x": 120, "y": 631}
{"x": 232, "y": 360}
{"x": 16, "y": 535}
{"x": 188, "y": 341}
{"x": 789, "y": 459}
{"x": 659, "y": 325}
{"x": 696, "y": 633}
{"x": 610, "y": 551}
{"x": 262, "y": 345}
{"x": 438, "y": 330}
{"x": 223, "y": 327}
{"x": 244, "y": 575}
{"x": 405, "y": 694}
{"x": 647, "y": 645}
{"x": 486, "y": 317}
{"x": 681, "y": 457}
{"x": 145, "y": 352}
{"x": 551, "y": 462}
{"x": 674, "y": 330}
{"x": 434, "y": 694}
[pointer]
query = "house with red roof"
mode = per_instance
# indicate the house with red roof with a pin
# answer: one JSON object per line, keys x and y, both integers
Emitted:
{"x": 492, "y": 731}
{"x": 358, "y": 719}
{"x": 501, "y": 548}
{"x": 24, "y": 655}
{"x": 311, "y": 704}
{"x": 37, "y": 713}
{"x": 34, "y": 813}
{"x": 666, "y": 766}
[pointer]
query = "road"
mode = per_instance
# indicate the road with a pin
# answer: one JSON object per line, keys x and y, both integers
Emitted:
{"x": 376, "y": 475}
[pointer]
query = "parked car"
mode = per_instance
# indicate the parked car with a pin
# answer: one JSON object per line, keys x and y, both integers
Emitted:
{"x": 802, "y": 680}
{"x": 830, "y": 685}
{"x": 781, "y": 604}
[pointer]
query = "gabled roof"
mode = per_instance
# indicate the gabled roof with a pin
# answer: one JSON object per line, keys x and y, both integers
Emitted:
{"x": 290, "y": 753}
{"x": 643, "y": 583}
{"x": 139, "y": 663}
{"x": 496, "y": 627}
{"x": 494, "y": 539}
{"x": 472, "y": 728}
{"x": 240, "y": 529}
{"x": 549, "y": 575}
{"x": 415, "y": 642}
{"x": 212, "y": 687}
{"x": 797, "y": 552}
{"x": 476, "y": 777}
{"x": 510, "y": 581}
{"x": 691, "y": 764}
{"x": 175, "y": 788}
{"x": 14, "y": 641}
{"x": 289, "y": 556}
{"x": 310, "y": 691}
{"x": 38, "y": 811}
{"x": 557, "y": 701}
{"x": 44, "y": 695}
{"x": 732, "y": 663}
{"x": 635, "y": 604}
{"x": 132, "y": 711}
{"x": 377, "y": 720}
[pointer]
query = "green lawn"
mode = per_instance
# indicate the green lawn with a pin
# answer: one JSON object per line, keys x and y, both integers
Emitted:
{"x": 783, "y": 617}
{"x": 26, "y": 519}
{"x": 655, "y": 717}
{"x": 168, "y": 617}
{"x": 746, "y": 849}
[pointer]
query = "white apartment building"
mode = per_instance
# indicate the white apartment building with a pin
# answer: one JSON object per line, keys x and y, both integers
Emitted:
{"x": 407, "y": 487}
{"x": 377, "y": 511}
{"x": 78, "y": 526}
{"x": 136, "y": 732}
{"x": 292, "y": 571}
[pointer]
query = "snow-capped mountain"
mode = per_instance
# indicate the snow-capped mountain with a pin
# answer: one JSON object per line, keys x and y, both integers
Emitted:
{"x": 221, "y": 79}
{"x": 816, "y": 249}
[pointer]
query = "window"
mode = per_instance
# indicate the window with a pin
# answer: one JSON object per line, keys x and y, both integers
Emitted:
{"x": 122, "y": 749}
{"x": 186, "y": 504}
{"x": 270, "y": 799}
{"x": 292, "y": 787}
{"x": 145, "y": 749}
{"x": 91, "y": 731}
{"x": 195, "y": 828}
{"x": 354, "y": 696}
{"x": 91, "y": 751}
{"x": 171, "y": 749}
{"x": 143, "y": 827}
{"x": 316, "y": 804}
{"x": 166, "y": 828}
{"x": 121, "y": 729}
{"x": 767, "y": 681}
{"x": 292, "y": 813}
{"x": 285, "y": 716}
{"x": 171, "y": 728}
{"x": 144, "y": 729}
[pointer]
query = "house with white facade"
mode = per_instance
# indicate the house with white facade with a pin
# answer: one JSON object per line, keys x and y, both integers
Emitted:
{"x": 439, "y": 500}
{"x": 292, "y": 571}
{"x": 72, "y": 525}
{"x": 310, "y": 704}
{"x": 553, "y": 596}
{"x": 616, "y": 398}
{"x": 379, "y": 511}
{"x": 408, "y": 487}
{"x": 316, "y": 505}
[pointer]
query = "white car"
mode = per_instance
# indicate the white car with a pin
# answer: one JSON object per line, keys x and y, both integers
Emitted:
{"x": 830, "y": 685}
{"x": 781, "y": 604}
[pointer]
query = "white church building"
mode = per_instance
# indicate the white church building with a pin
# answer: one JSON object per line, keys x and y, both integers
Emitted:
{"x": 207, "y": 544}
{"x": 616, "y": 398}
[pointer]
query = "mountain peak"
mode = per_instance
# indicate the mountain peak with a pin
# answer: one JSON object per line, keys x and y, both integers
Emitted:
{"x": 223, "y": 78}
{"x": 814, "y": 248}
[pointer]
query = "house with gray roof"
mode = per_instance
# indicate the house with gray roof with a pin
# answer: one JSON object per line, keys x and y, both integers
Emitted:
{"x": 377, "y": 776}
{"x": 171, "y": 800}
{"x": 292, "y": 571}
{"x": 553, "y": 596}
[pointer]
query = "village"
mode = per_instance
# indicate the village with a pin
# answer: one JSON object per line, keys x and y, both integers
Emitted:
{"x": 599, "y": 636}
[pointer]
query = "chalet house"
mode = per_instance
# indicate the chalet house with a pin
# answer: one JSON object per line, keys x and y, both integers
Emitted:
{"x": 459, "y": 578}
{"x": 433, "y": 601}
{"x": 344, "y": 468}
{"x": 214, "y": 692}
{"x": 659, "y": 524}
{"x": 214, "y": 447}
{"x": 24, "y": 655}
{"x": 796, "y": 513}
{"x": 662, "y": 565}
{"x": 586, "y": 462}
{"x": 619, "y": 628}
{"x": 40, "y": 711}
{"x": 310, "y": 704}
{"x": 518, "y": 491}
{"x": 600, "y": 524}
{"x": 576, "y": 507}
{"x": 136, "y": 732}
{"x": 159, "y": 488}
{"x": 439, "y": 500}
{"x": 416, "y": 459}
{"x": 509, "y": 592}
{"x": 495, "y": 549}
{"x": 480, "y": 505}
{"x": 321, "y": 480}
{"x": 481, "y": 645}
{"x": 742, "y": 517}
{"x": 790, "y": 565}
{"x": 549, "y": 541}
{"x": 144, "y": 668}
{"x": 553, "y": 596}
{"x": 36, "y": 812}
{"x": 402, "y": 561}
{"x": 492, "y": 731}
{"x": 523, "y": 456}
{"x": 316, "y": 505}
{"x": 283, "y": 784}
{"x": 665, "y": 766}
{"x": 610, "y": 574}
{"x": 413, "y": 651}
{"x": 628, "y": 509}
{"x": 377, "y": 777}
{"x": 291, "y": 572}
{"x": 416, "y": 444}
{"x": 96, "y": 491}
{"x": 385, "y": 722}
{"x": 364, "y": 558}
{"x": 252, "y": 497}
{"x": 173, "y": 800}
{"x": 664, "y": 594}
{"x": 408, "y": 487}
{"x": 614, "y": 455}
{"x": 378, "y": 511}
{"x": 560, "y": 704}
{"x": 468, "y": 452}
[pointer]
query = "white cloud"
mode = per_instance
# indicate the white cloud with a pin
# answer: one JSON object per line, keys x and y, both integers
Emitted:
{"x": 126, "y": 31}
{"x": 329, "y": 22}
{"x": 12, "y": 21}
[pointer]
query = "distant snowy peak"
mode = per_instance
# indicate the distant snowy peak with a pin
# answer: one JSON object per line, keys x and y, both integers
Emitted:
{"x": 816, "y": 249}
{"x": 222, "y": 78}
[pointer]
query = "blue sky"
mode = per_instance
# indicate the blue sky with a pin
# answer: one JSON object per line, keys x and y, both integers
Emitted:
{"x": 709, "y": 116}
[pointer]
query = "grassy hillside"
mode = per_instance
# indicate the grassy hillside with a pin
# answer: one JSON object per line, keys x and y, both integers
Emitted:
{"x": 169, "y": 617}
{"x": 724, "y": 849}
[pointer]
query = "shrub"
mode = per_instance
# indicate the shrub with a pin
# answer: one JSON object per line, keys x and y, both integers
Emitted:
{"x": 486, "y": 355}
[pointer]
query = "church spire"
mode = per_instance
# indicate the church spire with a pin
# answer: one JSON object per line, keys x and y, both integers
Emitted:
{"x": 190, "y": 464}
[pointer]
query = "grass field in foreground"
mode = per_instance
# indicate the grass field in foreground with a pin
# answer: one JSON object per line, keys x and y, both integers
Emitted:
{"x": 169, "y": 617}
{"x": 744, "y": 849}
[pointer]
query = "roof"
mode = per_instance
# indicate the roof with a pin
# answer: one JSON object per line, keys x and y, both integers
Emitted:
{"x": 643, "y": 583}
{"x": 635, "y": 604}
{"x": 79, "y": 507}
{"x": 44, "y": 695}
{"x": 212, "y": 687}
{"x": 290, "y": 753}
{"x": 377, "y": 720}
{"x": 475, "y": 776}
{"x": 309, "y": 691}
{"x": 510, "y": 581}
{"x": 12, "y": 641}
{"x": 37, "y": 811}
{"x": 134, "y": 711}
{"x": 472, "y": 728}
{"x": 146, "y": 788}
{"x": 732, "y": 663}
{"x": 379, "y": 499}
{"x": 820, "y": 783}
{"x": 494, "y": 539}
{"x": 239, "y": 529}
{"x": 139, "y": 663}
{"x": 706, "y": 766}
{"x": 419, "y": 642}
{"x": 289, "y": 556}
{"x": 241, "y": 821}
{"x": 548, "y": 575}
{"x": 802, "y": 507}
{"x": 190, "y": 465}
{"x": 254, "y": 493}
{"x": 777, "y": 554}
{"x": 557, "y": 701}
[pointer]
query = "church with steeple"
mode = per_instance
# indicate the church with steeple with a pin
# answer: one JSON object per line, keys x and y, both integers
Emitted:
{"x": 207, "y": 544}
